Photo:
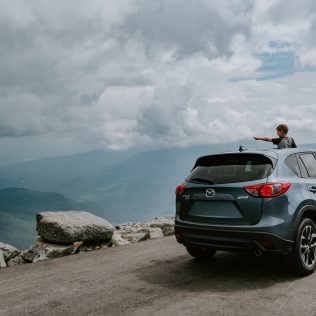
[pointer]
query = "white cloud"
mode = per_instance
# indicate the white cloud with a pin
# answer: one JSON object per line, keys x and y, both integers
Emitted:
{"x": 144, "y": 73}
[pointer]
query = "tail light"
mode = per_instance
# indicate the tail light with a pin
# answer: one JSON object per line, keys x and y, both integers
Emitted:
{"x": 269, "y": 189}
{"x": 180, "y": 189}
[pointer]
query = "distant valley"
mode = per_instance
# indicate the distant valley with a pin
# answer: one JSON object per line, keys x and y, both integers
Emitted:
{"x": 17, "y": 213}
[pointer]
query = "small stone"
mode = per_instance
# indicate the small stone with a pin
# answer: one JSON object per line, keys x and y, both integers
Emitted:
{"x": 2, "y": 261}
{"x": 104, "y": 245}
{"x": 27, "y": 255}
{"x": 122, "y": 225}
{"x": 161, "y": 222}
{"x": 83, "y": 248}
{"x": 153, "y": 233}
{"x": 135, "y": 237}
{"x": 16, "y": 261}
{"x": 168, "y": 230}
{"x": 135, "y": 232}
{"x": 77, "y": 245}
{"x": 9, "y": 252}
{"x": 118, "y": 240}
{"x": 127, "y": 230}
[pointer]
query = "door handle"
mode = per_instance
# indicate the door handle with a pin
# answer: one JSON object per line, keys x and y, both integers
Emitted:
{"x": 313, "y": 189}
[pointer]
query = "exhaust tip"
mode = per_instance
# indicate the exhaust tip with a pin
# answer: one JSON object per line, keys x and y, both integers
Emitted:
{"x": 258, "y": 253}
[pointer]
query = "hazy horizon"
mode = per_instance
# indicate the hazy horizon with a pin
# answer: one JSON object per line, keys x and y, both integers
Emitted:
{"x": 253, "y": 144}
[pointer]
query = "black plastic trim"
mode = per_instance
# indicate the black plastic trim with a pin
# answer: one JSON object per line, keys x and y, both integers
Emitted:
{"x": 232, "y": 240}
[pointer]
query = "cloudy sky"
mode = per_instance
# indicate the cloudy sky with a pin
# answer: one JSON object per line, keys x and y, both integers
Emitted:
{"x": 145, "y": 73}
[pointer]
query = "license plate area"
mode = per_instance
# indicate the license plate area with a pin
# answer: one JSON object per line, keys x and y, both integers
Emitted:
{"x": 215, "y": 209}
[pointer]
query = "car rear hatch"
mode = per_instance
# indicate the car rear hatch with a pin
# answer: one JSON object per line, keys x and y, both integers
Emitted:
{"x": 214, "y": 189}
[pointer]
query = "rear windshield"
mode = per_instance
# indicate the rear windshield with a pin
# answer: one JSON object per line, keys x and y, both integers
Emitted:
{"x": 230, "y": 168}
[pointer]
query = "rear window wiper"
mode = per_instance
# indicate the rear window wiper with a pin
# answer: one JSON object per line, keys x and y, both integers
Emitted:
{"x": 205, "y": 180}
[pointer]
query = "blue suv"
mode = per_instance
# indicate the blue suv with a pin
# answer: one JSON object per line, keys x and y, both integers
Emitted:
{"x": 261, "y": 200}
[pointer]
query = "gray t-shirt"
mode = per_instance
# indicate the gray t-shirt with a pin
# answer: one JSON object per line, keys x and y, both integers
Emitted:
{"x": 284, "y": 142}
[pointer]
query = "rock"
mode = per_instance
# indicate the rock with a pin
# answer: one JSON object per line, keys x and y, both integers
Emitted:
{"x": 133, "y": 233}
{"x": 85, "y": 248}
{"x": 123, "y": 224}
{"x": 156, "y": 228}
{"x": 2, "y": 261}
{"x": 135, "y": 237}
{"x": 69, "y": 232}
{"x": 27, "y": 256}
{"x": 118, "y": 240}
{"x": 128, "y": 230}
{"x": 16, "y": 261}
{"x": 9, "y": 252}
{"x": 168, "y": 230}
{"x": 77, "y": 245}
{"x": 165, "y": 223}
{"x": 153, "y": 233}
{"x": 70, "y": 226}
{"x": 43, "y": 250}
{"x": 162, "y": 222}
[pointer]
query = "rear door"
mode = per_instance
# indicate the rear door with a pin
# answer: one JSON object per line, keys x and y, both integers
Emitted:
{"x": 214, "y": 189}
{"x": 308, "y": 167}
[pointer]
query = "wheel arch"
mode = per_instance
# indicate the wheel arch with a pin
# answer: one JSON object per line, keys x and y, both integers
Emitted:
{"x": 307, "y": 211}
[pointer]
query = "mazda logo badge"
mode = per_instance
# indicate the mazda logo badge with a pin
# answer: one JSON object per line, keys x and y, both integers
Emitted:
{"x": 210, "y": 193}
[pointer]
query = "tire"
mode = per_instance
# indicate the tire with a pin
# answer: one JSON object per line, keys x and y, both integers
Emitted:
{"x": 302, "y": 259}
{"x": 199, "y": 253}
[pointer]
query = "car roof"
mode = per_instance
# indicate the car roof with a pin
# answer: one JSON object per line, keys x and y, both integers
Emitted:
{"x": 284, "y": 152}
{"x": 272, "y": 152}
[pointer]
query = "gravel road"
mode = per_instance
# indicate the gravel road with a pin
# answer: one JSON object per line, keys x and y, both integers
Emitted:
{"x": 155, "y": 277}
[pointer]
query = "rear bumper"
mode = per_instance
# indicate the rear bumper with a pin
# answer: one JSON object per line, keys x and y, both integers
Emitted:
{"x": 232, "y": 240}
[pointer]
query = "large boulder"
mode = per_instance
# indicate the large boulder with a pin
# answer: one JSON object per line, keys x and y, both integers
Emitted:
{"x": 66, "y": 227}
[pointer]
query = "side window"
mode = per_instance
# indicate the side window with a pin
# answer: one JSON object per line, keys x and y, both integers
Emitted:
{"x": 310, "y": 164}
{"x": 302, "y": 167}
{"x": 291, "y": 162}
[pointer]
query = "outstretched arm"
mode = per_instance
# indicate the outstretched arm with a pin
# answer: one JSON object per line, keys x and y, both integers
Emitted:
{"x": 267, "y": 139}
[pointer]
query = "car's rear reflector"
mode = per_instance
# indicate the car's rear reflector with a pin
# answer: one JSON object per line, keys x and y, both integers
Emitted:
{"x": 266, "y": 244}
{"x": 269, "y": 189}
{"x": 178, "y": 237}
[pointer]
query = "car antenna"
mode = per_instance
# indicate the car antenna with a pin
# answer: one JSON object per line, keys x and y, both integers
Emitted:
{"x": 242, "y": 148}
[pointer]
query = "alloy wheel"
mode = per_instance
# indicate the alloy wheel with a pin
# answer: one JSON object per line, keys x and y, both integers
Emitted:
{"x": 308, "y": 246}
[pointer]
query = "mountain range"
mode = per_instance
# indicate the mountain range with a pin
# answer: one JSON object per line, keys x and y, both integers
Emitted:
{"x": 17, "y": 213}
